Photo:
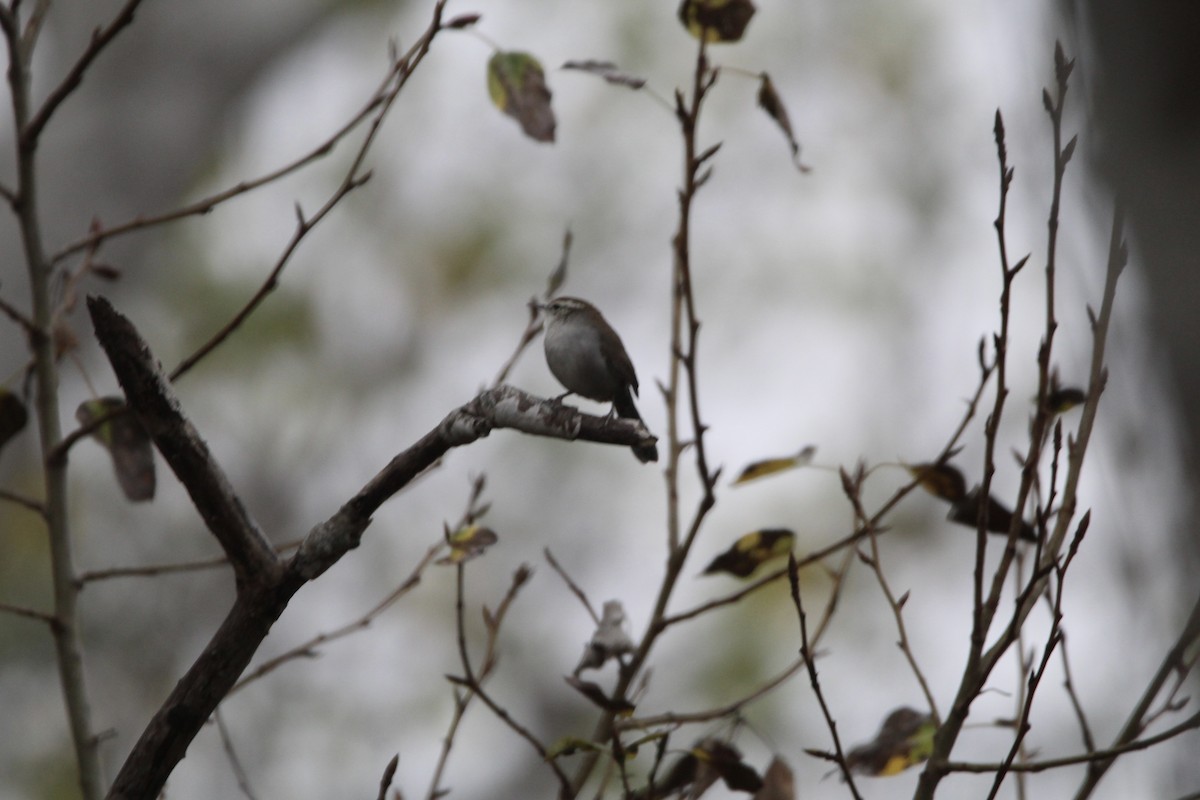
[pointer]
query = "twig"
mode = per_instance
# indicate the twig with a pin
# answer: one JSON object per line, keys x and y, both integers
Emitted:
{"x": 1135, "y": 723}
{"x": 574, "y": 587}
{"x": 309, "y": 648}
{"x": 474, "y": 685}
{"x": 389, "y": 773}
{"x": 14, "y": 313}
{"x": 1085, "y": 730}
{"x": 100, "y": 39}
{"x": 29, "y": 613}
{"x": 806, "y": 655}
{"x": 154, "y": 570}
{"x": 401, "y": 70}
{"x": 235, "y": 763}
{"x": 207, "y": 204}
{"x": 21, "y": 500}
{"x": 674, "y": 718}
{"x": 1091, "y": 758}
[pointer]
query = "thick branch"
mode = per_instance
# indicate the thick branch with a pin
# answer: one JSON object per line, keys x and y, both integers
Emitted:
{"x": 151, "y": 397}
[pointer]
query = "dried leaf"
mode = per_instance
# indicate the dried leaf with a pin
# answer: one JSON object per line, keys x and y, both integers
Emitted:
{"x": 753, "y": 550}
{"x": 726, "y": 761}
{"x": 940, "y": 480}
{"x": 127, "y": 443}
{"x": 517, "y": 85}
{"x": 462, "y": 21}
{"x": 905, "y": 739}
{"x": 716, "y": 21}
{"x": 770, "y": 101}
{"x": 13, "y": 416}
{"x": 778, "y": 782}
{"x": 770, "y": 466}
{"x": 570, "y": 745}
{"x": 106, "y": 272}
{"x": 608, "y": 71}
{"x": 593, "y": 692}
{"x": 999, "y": 518}
{"x": 1061, "y": 400}
{"x": 468, "y": 542}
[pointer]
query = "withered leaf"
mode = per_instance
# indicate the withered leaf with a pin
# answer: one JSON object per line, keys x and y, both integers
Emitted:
{"x": 716, "y": 21}
{"x": 905, "y": 739}
{"x": 724, "y": 759}
{"x": 13, "y": 415}
{"x": 770, "y": 101}
{"x": 1061, "y": 400}
{"x": 940, "y": 480}
{"x": 593, "y": 692}
{"x": 770, "y": 466}
{"x": 517, "y": 85}
{"x": 608, "y": 71}
{"x": 468, "y": 542}
{"x": 752, "y": 550}
{"x": 778, "y": 782}
{"x": 127, "y": 443}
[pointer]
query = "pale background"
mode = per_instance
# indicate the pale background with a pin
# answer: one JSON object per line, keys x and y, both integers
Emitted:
{"x": 842, "y": 308}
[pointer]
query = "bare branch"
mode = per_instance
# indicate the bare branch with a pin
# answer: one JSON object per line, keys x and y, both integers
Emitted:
{"x": 101, "y": 37}
{"x": 152, "y": 399}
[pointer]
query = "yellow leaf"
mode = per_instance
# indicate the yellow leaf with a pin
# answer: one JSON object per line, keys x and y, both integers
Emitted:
{"x": 770, "y": 466}
{"x": 753, "y": 550}
{"x": 716, "y": 20}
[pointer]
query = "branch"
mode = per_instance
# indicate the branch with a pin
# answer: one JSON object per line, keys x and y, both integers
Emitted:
{"x": 308, "y": 649}
{"x": 1090, "y": 758}
{"x": 101, "y": 37}
{"x": 806, "y": 654}
{"x": 29, "y": 613}
{"x": 152, "y": 399}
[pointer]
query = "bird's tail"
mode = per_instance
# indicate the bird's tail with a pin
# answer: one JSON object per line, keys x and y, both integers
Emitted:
{"x": 626, "y": 409}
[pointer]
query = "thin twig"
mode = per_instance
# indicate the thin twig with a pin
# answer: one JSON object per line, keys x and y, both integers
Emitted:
{"x": 309, "y": 648}
{"x": 29, "y": 613}
{"x": 473, "y": 684}
{"x": 574, "y": 587}
{"x": 235, "y": 763}
{"x": 100, "y": 39}
{"x": 23, "y": 501}
{"x": 1090, "y": 758}
{"x": 401, "y": 70}
{"x": 814, "y": 680}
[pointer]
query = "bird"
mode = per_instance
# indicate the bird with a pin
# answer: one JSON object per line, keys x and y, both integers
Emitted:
{"x": 587, "y": 357}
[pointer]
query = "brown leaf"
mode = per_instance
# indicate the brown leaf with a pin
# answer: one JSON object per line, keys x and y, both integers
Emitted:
{"x": 13, "y": 416}
{"x": 778, "y": 782}
{"x": 608, "y": 71}
{"x": 517, "y": 85}
{"x": 770, "y": 101}
{"x": 905, "y": 739}
{"x": 716, "y": 20}
{"x": 753, "y": 550}
{"x": 127, "y": 443}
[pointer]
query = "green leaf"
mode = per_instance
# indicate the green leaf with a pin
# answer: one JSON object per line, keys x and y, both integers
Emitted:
{"x": 517, "y": 85}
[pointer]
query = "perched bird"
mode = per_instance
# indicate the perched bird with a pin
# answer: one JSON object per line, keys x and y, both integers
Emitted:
{"x": 588, "y": 358}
